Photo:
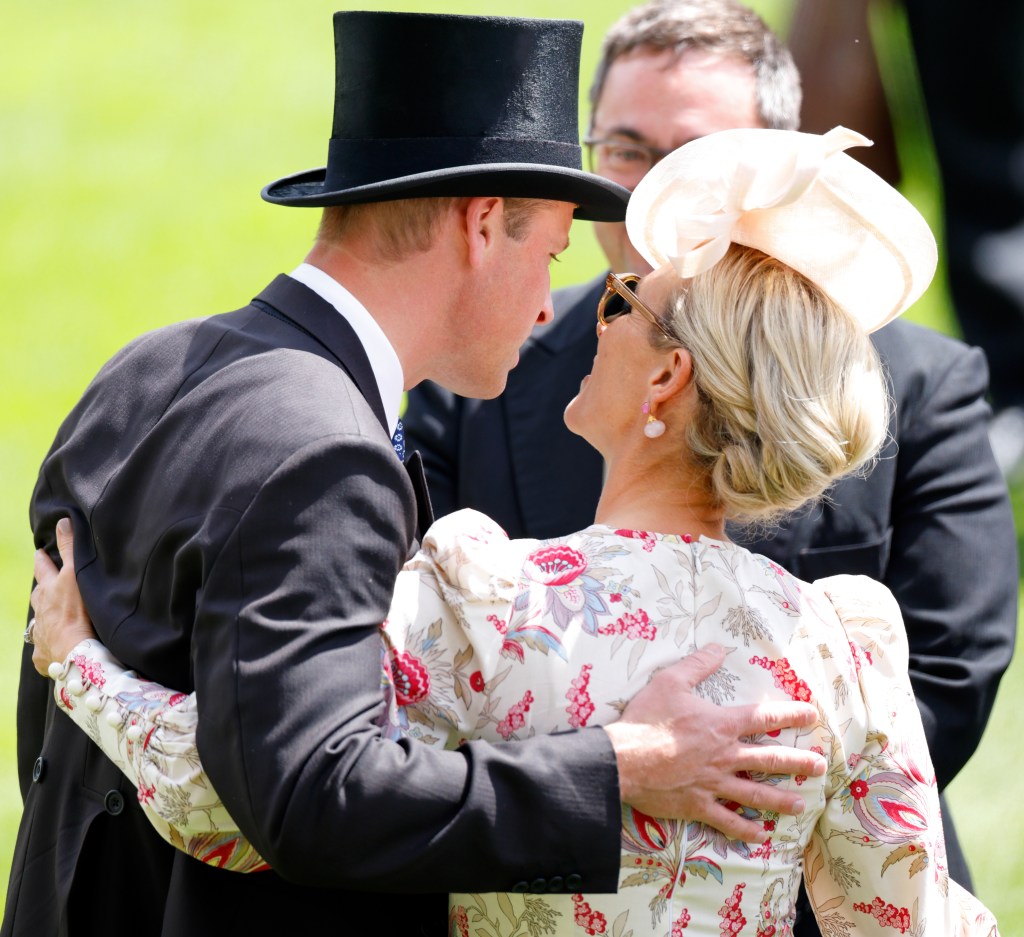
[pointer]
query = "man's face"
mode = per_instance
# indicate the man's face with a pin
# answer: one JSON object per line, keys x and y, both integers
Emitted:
{"x": 663, "y": 102}
{"x": 511, "y": 295}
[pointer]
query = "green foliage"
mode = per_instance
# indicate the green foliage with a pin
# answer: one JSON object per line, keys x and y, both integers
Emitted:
{"x": 134, "y": 140}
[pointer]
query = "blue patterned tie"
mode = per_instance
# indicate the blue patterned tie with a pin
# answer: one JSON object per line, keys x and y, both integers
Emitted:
{"x": 398, "y": 441}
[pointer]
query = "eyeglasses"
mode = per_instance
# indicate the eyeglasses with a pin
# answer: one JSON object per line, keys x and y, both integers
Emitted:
{"x": 620, "y": 298}
{"x": 623, "y": 158}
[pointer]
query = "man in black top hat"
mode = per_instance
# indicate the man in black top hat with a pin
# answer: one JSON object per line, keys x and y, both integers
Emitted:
{"x": 240, "y": 516}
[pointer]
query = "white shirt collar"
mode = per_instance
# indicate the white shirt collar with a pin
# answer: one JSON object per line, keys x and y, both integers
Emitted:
{"x": 387, "y": 369}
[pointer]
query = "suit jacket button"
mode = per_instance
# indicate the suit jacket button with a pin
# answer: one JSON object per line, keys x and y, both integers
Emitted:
{"x": 539, "y": 885}
{"x": 113, "y": 803}
{"x": 38, "y": 770}
{"x": 573, "y": 883}
{"x": 521, "y": 888}
{"x": 556, "y": 883}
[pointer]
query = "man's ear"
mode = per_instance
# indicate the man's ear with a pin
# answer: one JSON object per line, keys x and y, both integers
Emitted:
{"x": 673, "y": 377}
{"x": 482, "y": 218}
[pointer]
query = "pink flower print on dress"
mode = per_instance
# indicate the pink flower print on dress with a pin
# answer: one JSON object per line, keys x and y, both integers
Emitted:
{"x": 904, "y": 760}
{"x": 887, "y": 915}
{"x": 680, "y": 923}
{"x": 516, "y": 717}
{"x": 890, "y": 807}
{"x": 572, "y": 599}
{"x": 731, "y": 913}
{"x": 860, "y": 656}
{"x": 91, "y": 669}
{"x": 411, "y": 678}
{"x": 647, "y": 539}
{"x": 633, "y": 625}
{"x": 593, "y": 922}
{"x": 785, "y": 678}
{"x": 499, "y": 624}
{"x": 510, "y": 648}
{"x": 555, "y": 565}
{"x": 644, "y": 834}
{"x": 581, "y": 706}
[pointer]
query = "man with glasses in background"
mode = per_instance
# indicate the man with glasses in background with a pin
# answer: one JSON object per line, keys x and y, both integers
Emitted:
{"x": 932, "y": 520}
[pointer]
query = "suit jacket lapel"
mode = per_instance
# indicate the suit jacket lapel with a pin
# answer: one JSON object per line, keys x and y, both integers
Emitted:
{"x": 310, "y": 313}
{"x": 424, "y": 509}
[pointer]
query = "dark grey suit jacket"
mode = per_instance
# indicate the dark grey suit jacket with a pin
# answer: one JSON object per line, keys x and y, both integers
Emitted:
{"x": 240, "y": 518}
{"x": 932, "y": 520}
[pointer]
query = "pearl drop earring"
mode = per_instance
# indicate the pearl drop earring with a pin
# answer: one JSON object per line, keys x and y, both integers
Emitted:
{"x": 654, "y": 427}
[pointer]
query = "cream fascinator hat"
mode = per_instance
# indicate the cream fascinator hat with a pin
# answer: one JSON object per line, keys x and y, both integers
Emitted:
{"x": 795, "y": 196}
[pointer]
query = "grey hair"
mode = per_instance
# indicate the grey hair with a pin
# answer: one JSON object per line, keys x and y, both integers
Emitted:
{"x": 722, "y": 27}
{"x": 791, "y": 393}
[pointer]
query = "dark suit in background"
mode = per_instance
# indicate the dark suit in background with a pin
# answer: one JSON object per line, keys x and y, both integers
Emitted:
{"x": 979, "y": 152}
{"x": 975, "y": 114}
{"x": 238, "y": 530}
{"x": 932, "y": 520}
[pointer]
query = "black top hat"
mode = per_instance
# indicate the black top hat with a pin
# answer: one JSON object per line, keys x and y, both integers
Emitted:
{"x": 442, "y": 105}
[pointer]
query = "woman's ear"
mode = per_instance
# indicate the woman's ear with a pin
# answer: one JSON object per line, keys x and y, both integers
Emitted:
{"x": 673, "y": 376}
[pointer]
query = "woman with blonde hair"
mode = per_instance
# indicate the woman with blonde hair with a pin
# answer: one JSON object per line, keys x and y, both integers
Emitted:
{"x": 737, "y": 382}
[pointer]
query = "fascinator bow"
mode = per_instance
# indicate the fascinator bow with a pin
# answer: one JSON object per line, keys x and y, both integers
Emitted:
{"x": 795, "y": 196}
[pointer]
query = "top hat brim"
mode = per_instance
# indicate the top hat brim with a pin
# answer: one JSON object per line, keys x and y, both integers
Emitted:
{"x": 597, "y": 199}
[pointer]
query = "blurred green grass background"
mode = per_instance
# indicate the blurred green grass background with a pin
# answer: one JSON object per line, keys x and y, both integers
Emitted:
{"x": 134, "y": 140}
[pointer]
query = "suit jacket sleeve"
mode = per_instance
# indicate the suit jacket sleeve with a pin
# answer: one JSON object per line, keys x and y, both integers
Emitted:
{"x": 287, "y": 657}
{"x": 953, "y": 559}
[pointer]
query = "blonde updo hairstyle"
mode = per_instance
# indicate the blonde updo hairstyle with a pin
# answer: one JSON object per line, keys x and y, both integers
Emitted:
{"x": 791, "y": 392}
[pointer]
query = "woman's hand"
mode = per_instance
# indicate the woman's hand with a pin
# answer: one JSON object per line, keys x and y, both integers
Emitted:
{"x": 61, "y": 620}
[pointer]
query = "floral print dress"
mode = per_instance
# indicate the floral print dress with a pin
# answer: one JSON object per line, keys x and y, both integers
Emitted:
{"x": 494, "y": 639}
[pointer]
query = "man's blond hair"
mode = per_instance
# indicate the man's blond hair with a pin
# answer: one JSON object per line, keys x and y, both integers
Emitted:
{"x": 408, "y": 226}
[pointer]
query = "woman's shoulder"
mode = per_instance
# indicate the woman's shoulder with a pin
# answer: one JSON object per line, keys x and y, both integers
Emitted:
{"x": 870, "y": 615}
{"x": 465, "y": 523}
{"x": 471, "y": 552}
{"x": 858, "y": 594}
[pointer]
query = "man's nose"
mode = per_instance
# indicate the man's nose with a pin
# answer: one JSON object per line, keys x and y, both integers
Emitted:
{"x": 547, "y": 311}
